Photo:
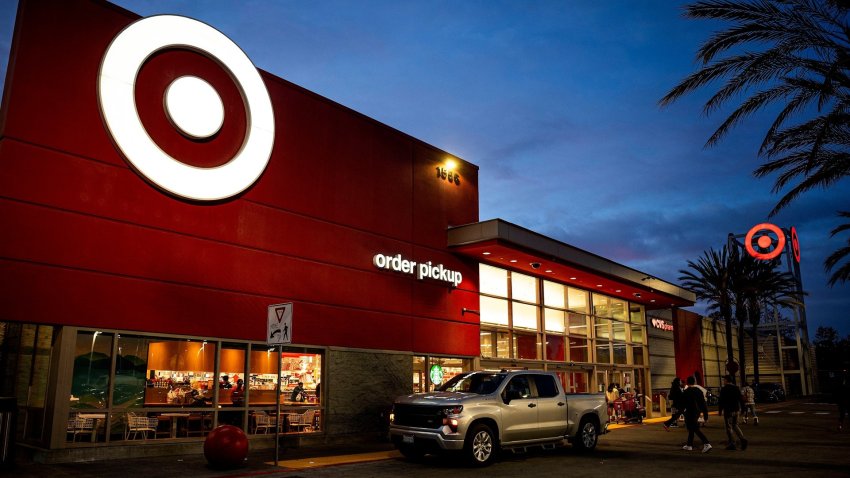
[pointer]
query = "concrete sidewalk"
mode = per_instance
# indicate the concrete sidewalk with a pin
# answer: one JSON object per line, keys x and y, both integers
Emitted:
{"x": 257, "y": 463}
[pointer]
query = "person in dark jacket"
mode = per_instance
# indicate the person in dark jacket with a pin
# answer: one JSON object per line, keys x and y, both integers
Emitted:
{"x": 730, "y": 404}
{"x": 675, "y": 397}
{"x": 693, "y": 403}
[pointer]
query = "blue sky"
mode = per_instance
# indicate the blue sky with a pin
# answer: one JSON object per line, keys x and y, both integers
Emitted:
{"x": 557, "y": 102}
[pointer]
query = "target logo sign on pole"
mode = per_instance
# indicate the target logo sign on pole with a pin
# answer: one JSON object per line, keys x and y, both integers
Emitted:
{"x": 193, "y": 107}
{"x": 769, "y": 239}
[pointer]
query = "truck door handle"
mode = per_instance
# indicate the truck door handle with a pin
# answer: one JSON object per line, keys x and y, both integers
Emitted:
{"x": 561, "y": 404}
{"x": 532, "y": 405}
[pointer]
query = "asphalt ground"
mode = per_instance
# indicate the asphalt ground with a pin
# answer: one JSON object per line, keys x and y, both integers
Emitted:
{"x": 793, "y": 439}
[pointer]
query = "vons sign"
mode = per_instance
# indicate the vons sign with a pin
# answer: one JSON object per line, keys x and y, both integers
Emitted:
{"x": 423, "y": 270}
{"x": 662, "y": 325}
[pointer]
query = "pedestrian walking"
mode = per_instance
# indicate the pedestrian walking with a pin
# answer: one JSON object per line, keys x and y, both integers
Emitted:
{"x": 675, "y": 397}
{"x": 730, "y": 404}
{"x": 749, "y": 396}
{"x": 694, "y": 404}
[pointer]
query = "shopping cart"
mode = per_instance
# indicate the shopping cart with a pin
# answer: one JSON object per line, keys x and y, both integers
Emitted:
{"x": 629, "y": 409}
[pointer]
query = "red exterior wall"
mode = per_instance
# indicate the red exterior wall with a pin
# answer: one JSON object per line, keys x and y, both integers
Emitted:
{"x": 87, "y": 241}
{"x": 687, "y": 343}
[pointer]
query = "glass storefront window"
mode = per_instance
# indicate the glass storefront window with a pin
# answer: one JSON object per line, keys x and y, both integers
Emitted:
{"x": 636, "y": 313}
{"x": 232, "y": 376}
{"x": 486, "y": 343}
{"x": 603, "y": 328}
{"x": 601, "y": 305}
{"x": 92, "y": 362}
{"x": 494, "y": 311}
{"x": 637, "y": 334}
{"x": 419, "y": 373}
{"x": 603, "y": 352}
{"x": 579, "y": 350}
{"x": 176, "y": 368}
{"x": 577, "y": 300}
{"x": 576, "y": 382}
{"x": 619, "y": 330}
{"x": 554, "y": 295}
{"x": 301, "y": 374}
{"x": 503, "y": 345}
{"x": 449, "y": 366}
{"x": 578, "y": 324}
{"x": 619, "y": 353}
{"x": 523, "y": 288}
{"x": 554, "y": 320}
{"x": 492, "y": 280}
{"x": 130, "y": 372}
{"x": 637, "y": 355}
{"x": 618, "y": 308}
{"x": 526, "y": 346}
{"x": 262, "y": 381}
{"x": 555, "y": 348}
{"x": 524, "y": 316}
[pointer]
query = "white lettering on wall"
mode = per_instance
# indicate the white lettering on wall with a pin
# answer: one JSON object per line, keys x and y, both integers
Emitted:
{"x": 662, "y": 324}
{"x": 424, "y": 270}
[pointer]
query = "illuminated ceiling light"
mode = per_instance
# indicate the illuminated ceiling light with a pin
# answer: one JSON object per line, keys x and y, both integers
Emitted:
{"x": 618, "y": 290}
{"x": 451, "y": 164}
{"x": 486, "y": 253}
{"x": 513, "y": 260}
{"x": 652, "y": 300}
{"x": 598, "y": 285}
{"x": 572, "y": 278}
{"x": 549, "y": 271}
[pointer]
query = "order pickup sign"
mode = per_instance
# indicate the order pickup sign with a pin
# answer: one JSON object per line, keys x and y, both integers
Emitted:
{"x": 279, "y": 324}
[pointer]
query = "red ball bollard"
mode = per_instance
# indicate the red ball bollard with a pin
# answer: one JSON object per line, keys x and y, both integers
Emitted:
{"x": 226, "y": 447}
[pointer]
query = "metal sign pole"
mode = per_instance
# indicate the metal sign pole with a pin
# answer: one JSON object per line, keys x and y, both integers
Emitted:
{"x": 277, "y": 422}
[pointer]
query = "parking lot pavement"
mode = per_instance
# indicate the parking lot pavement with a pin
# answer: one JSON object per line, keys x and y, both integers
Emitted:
{"x": 793, "y": 439}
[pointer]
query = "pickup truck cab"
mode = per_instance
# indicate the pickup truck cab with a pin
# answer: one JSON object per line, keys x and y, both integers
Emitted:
{"x": 480, "y": 413}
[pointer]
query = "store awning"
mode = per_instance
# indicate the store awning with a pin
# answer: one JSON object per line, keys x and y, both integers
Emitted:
{"x": 500, "y": 243}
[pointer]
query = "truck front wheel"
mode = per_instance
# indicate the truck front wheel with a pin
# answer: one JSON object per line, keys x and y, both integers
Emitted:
{"x": 587, "y": 437}
{"x": 480, "y": 447}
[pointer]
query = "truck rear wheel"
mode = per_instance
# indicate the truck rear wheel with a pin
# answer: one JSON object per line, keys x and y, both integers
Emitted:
{"x": 480, "y": 447}
{"x": 587, "y": 436}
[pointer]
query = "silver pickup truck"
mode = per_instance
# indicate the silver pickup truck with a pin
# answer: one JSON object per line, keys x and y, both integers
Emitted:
{"x": 481, "y": 413}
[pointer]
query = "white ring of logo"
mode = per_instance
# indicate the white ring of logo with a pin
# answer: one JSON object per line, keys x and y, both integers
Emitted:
{"x": 116, "y": 92}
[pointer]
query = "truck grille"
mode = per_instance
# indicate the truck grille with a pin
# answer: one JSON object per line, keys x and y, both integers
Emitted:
{"x": 419, "y": 416}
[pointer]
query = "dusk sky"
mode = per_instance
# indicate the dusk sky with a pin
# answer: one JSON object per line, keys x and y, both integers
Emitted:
{"x": 557, "y": 103}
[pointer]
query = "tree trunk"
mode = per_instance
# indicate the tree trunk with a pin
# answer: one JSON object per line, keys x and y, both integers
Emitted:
{"x": 741, "y": 317}
{"x": 755, "y": 320}
{"x": 727, "y": 316}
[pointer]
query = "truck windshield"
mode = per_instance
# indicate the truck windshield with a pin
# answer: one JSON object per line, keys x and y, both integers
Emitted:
{"x": 480, "y": 383}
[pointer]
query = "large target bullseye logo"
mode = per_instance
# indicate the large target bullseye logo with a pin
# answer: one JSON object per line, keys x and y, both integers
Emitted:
{"x": 769, "y": 239}
{"x": 192, "y": 105}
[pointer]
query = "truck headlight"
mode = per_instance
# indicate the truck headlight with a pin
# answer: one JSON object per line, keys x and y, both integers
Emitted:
{"x": 450, "y": 417}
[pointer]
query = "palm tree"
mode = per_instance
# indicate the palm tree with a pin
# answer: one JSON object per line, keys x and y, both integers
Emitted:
{"x": 742, "y": 273}
{"x": 767, "y": 287}
{"x": 708, "y": 279}
{"x": 794, "y": 54}
{"x": 843, "y": 272}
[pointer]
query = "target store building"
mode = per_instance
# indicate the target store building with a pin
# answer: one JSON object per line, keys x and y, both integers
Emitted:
{"x": 159, "y": 195}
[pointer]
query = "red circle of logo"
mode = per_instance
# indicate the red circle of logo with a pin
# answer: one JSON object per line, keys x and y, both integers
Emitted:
{"x": 765, "y": 241}
{"x": 795, "y": 244}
